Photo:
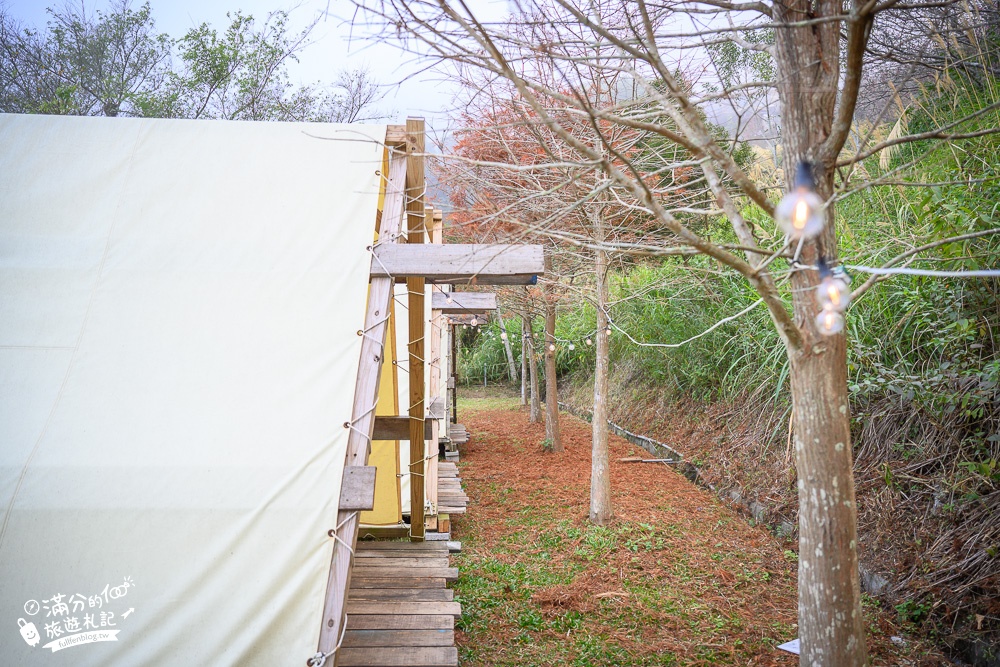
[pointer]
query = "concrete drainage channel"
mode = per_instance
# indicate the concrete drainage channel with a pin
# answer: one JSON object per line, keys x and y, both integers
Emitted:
{"x": 686, "y": 468}
{"x": 975, "y": 652}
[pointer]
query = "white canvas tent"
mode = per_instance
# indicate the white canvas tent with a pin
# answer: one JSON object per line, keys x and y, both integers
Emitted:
{"x": 180, "y": 304}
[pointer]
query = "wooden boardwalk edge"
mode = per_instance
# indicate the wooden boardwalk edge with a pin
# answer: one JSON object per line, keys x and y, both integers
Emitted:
{"x": 399, "y": 608}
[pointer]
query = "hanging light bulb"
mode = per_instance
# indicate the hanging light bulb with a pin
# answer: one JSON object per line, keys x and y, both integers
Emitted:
{"x": 833, "y": 294}
{"x": 572, "y": 347}
{"x": 590, "y": 342}
{"x": 475, "y": 322}
{"x": 465, "y": 326}
{"x": 834, "y": 289}
{"x": 552, "y": 347}
{"x": 448, "y": 300}
{"x": 503, "y": 335}
{"x": 800, "y": 212}
{"x": 829, "y": 322}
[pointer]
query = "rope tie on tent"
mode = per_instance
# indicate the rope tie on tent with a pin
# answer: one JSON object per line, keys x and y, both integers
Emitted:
{"x": 350, "y": 425}
{"x": 320, "y": 658}
{"x": 375, "y": 256}
{"x": 418, "y": 196}
{"x": 417, "y": 474}
{"x": 335, "y": 532}
{"x": 364, "y": 333}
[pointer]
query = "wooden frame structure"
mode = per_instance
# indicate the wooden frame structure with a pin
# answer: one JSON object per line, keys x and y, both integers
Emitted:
{"x": 421, "y": 263}
{"x": 460, "y": 303}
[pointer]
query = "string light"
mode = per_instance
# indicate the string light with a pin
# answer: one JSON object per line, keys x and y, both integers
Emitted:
{"x": 834, "y": 289}
{"x": 503, "y": 335}
{"x": 589, "y": 342}
{"x": 448, "y": 300}
{"x": 829, "y": 322}
{"x": 572, "y": 347}
{"x": 833, "y": 294}
{"x": 475, "y": 322}
{"x": 800, "y": 212}
{"x": 552, "y": 347}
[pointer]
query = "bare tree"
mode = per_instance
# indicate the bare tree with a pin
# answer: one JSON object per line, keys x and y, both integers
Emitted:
{"x": 353, "y": 98}
{"x": 535, "y": 415}
{"x": 553, "y": 437}
{"x": 661, "y": 54}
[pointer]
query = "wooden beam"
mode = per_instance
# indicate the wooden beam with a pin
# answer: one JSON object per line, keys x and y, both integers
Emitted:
{"x": 362, "y": 414}
{"x": 384, "y": 533}
{"x": 401, "y": 622}
{"x": 459, "y": 263}
{"x": 434, "y": 387}
{"x": 415, "y": 286}
{"x": 459, "y": 303}
{"x": 396, "y": 428}
{"x": 395, "y": 136}
{"x": 467, "y": 319}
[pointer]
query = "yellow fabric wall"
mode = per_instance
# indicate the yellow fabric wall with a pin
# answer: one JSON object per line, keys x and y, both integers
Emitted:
{"x": 385, "y": 453}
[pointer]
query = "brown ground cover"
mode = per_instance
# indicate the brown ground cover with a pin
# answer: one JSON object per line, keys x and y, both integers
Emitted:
{"x": 677, "y": 579}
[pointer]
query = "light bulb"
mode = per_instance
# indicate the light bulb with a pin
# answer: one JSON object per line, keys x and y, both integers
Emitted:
{"x": 475, "y": 322}
{"x": 829, "y": 322}
{"x": 833, "y": 293}
{"x": 503, "y": 335}
{"x": 590, "y": 342}
{"x": 572, "y": 347}
{"x": 448, "y": 300}
{"x": 552, "y": 347}
{"x": 800, "y": 212}
{"x": 465, "y": 326}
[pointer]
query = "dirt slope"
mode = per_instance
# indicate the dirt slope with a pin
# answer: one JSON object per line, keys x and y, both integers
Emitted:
{"x": 677, "y": 579}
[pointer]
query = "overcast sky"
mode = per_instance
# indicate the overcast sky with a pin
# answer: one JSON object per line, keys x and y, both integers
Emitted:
{"x": 337, "y": 44}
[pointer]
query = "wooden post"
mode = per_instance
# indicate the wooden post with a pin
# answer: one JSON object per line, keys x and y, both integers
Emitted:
{"x": 454, "y": 375}
{"x": 416, "y": 227}
{"x": 434, "y": 386}
{"x": 362, "y": 414}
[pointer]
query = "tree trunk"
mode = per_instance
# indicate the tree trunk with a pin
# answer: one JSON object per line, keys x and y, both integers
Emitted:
{"x": 831, "y": 624}
{"x": 536, "y": 401}
{"x": 511, "y": 367}
{"x": 524, "y": 361}
{"x": 600, "y": 473}
{"x": 551, "y": 386}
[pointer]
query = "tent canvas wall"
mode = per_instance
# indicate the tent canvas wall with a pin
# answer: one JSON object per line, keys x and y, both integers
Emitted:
{"x": 179, "y": 308}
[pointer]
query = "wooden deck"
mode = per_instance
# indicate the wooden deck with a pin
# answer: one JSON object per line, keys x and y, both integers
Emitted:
{"x": 458, "y": 434}
{"x": 451, "y": 497}
{"x": 399, "y": 610}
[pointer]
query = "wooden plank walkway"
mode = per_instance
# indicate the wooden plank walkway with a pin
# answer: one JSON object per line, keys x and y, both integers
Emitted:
{"x": 458, "y": 434}
{"x": 399, "y": 611}
{"x": 451, "y": 496}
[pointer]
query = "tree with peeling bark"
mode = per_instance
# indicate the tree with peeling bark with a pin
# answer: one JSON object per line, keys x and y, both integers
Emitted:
{"x": 659, "y": 58}
{"x": 503, "y": 130}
